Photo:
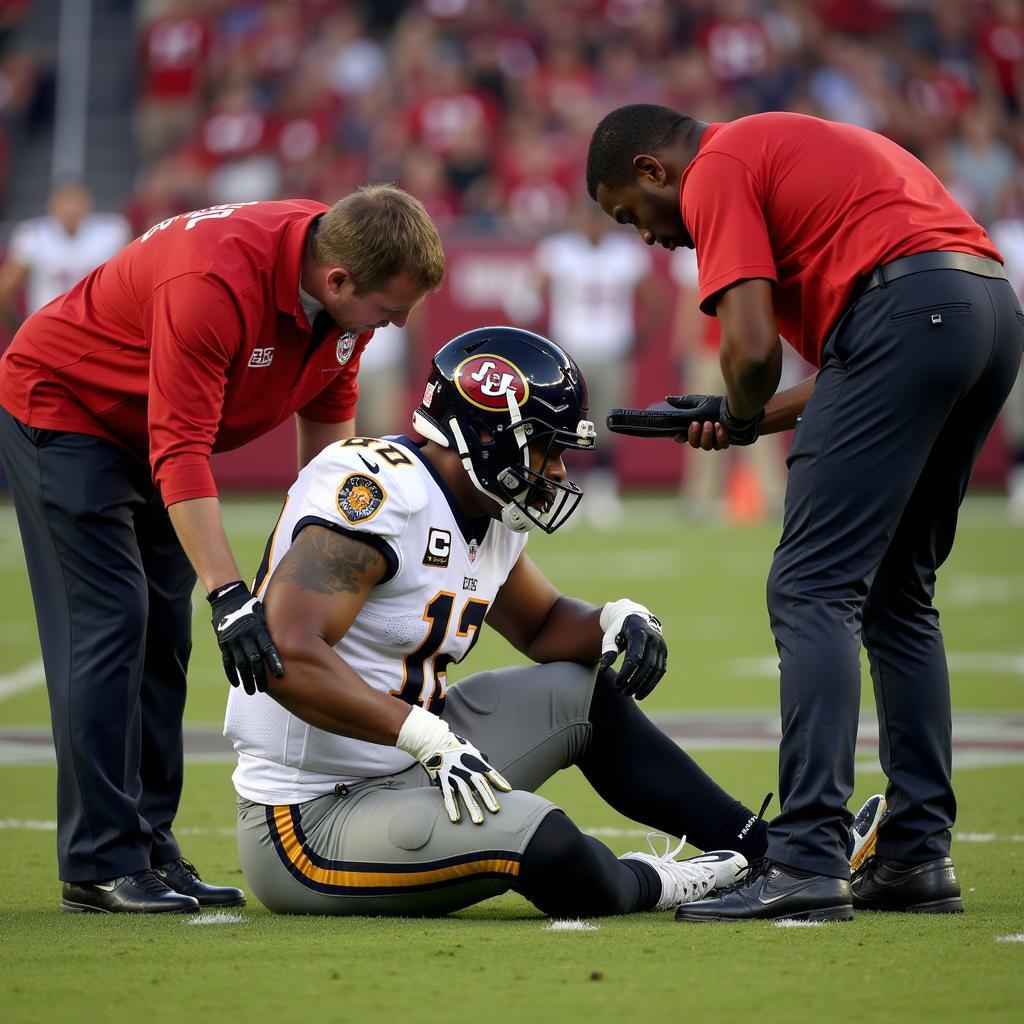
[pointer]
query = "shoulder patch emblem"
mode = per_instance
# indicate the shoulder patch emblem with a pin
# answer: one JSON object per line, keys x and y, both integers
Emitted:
{"x": 359, "y": 497}
{"x": 346, "y": 345}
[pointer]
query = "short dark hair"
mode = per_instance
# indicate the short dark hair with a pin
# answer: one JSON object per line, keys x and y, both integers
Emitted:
{"x": 626, "y": 132}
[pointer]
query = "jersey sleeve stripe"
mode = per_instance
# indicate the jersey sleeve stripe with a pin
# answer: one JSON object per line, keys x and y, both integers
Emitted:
{"x": 378, "y": 543}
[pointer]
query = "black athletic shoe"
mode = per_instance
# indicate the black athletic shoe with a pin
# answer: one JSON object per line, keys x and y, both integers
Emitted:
{"x": 771, "y": 890}
{"x": 182, "y": 877}
{"x": 138, "y": 893}
{"x": 929, "y": 888}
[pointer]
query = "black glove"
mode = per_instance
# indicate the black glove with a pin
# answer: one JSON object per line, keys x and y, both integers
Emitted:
{"x": 715, "y": 409}
{"x": 243, "y": 637}
{"x": 631, "y": 628}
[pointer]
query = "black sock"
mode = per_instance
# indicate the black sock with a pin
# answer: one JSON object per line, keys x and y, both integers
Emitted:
{"x": 646, "y": 776}
{"x": 565, "y": 873}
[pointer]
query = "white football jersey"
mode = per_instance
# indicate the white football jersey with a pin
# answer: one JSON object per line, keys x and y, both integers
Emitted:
{"x": 57, "y": 260}
{"x": 592, "y": 289}
{"x": 424, "y": 615}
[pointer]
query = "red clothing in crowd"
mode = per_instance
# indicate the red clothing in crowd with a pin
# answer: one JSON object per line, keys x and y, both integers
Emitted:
{"x": 190, "y": 340}
{"x": 174, "y": 51}
{"x": 813, "y": 206}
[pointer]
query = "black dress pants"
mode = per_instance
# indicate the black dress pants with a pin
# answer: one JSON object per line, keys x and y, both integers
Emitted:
{"x": 911, "y": 382}
{"x": 112, "y": 591}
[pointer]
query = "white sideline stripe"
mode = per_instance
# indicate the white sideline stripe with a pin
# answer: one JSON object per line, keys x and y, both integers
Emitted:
{"x": 790, "y": 922}
{"x": 25, "y": 678}
{"x": 218, "y": 917}
{"x": 995, "y": 662}
{"x": 1010, "y": 938}
{"x": 599, "y": 832}
{"x": 569, "y": 925}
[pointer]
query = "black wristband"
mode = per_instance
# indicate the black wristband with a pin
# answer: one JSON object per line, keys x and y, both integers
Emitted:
{"x": 739, "y": 431}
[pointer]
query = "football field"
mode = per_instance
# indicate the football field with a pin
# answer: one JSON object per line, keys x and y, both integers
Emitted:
{"x": 502, "y": 961}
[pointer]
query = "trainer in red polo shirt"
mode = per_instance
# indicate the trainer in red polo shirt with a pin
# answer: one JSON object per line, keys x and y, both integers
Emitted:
{"x": 205, "y": 332}
{"x": 853, "y": 250}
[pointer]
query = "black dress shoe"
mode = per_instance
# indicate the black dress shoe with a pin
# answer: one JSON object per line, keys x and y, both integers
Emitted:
{"x": 929, "y": 888}
{"x": 138, "y": 893}
{"x": 182, "y": 877}
{"x": 771, "y": 890}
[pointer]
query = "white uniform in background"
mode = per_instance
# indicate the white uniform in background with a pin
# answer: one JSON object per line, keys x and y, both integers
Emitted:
{"x": 425, "y": 614}
{"x": 57, "y": 260}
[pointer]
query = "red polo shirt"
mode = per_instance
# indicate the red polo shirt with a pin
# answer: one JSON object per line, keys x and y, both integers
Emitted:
{"x": 188, "y": 341}
{"x": 812, "y": 206}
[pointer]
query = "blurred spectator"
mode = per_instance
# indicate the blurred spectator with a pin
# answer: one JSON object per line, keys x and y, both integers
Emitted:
{"x": 592, "y": 276}
{"x": 981, "y": 162}
{"x": 47, "y": 255}
{"x": 174, "y": 51}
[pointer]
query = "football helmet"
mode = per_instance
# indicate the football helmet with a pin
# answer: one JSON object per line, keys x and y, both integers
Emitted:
{"x": 496, "y": 396}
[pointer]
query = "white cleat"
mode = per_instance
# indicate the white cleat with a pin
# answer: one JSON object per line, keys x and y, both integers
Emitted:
{"x": 864, "y": 832}
{"x": 684, "y": 881}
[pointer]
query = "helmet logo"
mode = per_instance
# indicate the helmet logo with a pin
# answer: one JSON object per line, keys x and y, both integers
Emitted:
{"x": 487, "y": 380}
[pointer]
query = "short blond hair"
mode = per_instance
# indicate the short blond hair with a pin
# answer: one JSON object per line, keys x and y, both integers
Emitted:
{"x": 377, "y": 232}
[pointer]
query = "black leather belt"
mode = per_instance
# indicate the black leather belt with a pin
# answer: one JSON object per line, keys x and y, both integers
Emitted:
{"x": 921, "y": 261}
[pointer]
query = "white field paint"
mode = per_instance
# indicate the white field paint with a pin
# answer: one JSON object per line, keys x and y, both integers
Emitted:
{"x": 28, "y": 677}
{"x": 218, "y": 917}
{"x": 569, "y": 926}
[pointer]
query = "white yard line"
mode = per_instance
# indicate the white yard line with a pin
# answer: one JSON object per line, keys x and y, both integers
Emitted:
{"x": 25, "y": 678}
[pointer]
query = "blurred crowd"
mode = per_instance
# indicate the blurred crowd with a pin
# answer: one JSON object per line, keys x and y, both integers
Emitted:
{"x": 483, "y": 108}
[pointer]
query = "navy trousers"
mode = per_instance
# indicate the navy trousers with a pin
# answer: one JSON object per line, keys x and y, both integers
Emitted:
{"x": 112, "y": 591}
{"x": 911, "y": 382}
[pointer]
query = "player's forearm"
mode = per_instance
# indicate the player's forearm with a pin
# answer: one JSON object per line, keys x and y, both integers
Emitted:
{"x": 571, "y": 632}
{"x": 321, "y": 689}
{"x": 782, "y": 412}
{"x": 199, "y": 527}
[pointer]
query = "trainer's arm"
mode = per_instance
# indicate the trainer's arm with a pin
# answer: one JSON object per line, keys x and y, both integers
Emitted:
{"x": 750, "y": 349}
{"x": 542, "y": 623}
{"x": 313, "y": 437}
{"x": 786, "y": 407}
{"x": 311, "y": 601}
{"x": 198, "y": 524}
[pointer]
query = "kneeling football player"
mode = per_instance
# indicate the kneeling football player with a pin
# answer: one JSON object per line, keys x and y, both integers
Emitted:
{"x": 388, "y": 558}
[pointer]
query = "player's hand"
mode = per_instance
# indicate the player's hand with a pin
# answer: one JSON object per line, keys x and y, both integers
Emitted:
{"x": 243, "y": 638}
{"x": 631, "y": 629}
{"x": 463, "y": 774}
{"x": 711, "y": 418}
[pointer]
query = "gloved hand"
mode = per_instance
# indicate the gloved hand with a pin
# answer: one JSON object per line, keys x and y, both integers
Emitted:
{"x": 715, "y": 409}
{"x": 243, "y": 638}
{"x": 453, "y": 764}
{"x": 631, "y": 628}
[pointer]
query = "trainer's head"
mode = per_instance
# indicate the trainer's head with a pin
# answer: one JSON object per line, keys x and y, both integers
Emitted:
{"x": 636, "y": 158}
{"x": 375, "y": 254}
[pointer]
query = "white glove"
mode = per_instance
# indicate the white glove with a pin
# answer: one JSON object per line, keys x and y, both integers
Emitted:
{"x": 453, "y": 764}
{"x": 630, "y": 627}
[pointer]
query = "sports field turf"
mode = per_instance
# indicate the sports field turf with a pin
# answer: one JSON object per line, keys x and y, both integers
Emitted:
{"x": 501, "y": 961}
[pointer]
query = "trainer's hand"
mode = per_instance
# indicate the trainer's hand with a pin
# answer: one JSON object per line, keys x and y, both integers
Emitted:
{"x": 629, "y": 627}
{"x": 243, "y": 638}
{"x": 711, "y": 419}
{"x": 453, "y": 764}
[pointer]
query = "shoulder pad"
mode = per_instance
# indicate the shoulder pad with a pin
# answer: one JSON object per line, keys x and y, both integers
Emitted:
{"x": 362, "y": 484}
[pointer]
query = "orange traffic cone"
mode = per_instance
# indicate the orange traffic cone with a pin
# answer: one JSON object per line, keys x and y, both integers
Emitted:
{"x": 744, "y": 496}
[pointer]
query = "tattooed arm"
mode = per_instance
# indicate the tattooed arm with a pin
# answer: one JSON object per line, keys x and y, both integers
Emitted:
{"x": 311, "y": 601}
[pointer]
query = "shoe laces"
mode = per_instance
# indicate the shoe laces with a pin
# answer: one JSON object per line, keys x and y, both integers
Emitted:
{"x": 745, "y": 876}
{"x": 149, "y": 881}
{"x": 681, "y": 881}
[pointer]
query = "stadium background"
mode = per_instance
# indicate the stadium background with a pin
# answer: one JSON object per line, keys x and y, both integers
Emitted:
{"x": 483, "y": 109}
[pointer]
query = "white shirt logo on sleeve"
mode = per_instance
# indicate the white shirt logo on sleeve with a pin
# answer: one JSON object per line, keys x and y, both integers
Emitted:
{"x": 262, "y": 356}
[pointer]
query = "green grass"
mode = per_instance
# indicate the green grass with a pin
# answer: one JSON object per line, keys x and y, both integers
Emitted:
{"x": 496, "y": 962}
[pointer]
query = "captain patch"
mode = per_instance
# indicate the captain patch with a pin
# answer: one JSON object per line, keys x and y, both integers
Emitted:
{"x": 359, "y": 497}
